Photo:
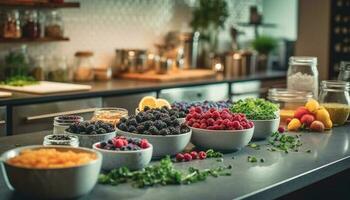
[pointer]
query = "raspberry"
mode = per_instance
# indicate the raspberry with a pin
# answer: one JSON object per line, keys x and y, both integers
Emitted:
{"x": 216, "y": 127}
{"x": 187, "y": 157}
{"x": 208, "y": 115}
{"x": 281, "y": 129}
{"x": 242, "y": 115}
{"x": 118, "y": 143}
{"x": 216, "y": 114}
{"x": 188, "y": 117}
{"x": 202, "y": 155}
{"x": 218, "y": 122}
{"x": 203, "y": 126}
{"x": 180, "y": 157}
{"x": 144, "y": 144}
{"x": 243, "y": 124}
{"x": 210, "y": 127}
{"x": 203, "y": 121}
{"x": 248, "y": 126}
{"x": 198, "y": 109}
{"x": 210, "y": 121}
{"x": 222, "y": 127}
{"x": 240, "y": 127}
{"x": 225, "y": 110}
{"x": 237, "y": 118}
{"x": 235, "y": 124}
{"x": 196, "y": 125}
{"x": 194, "y": 155}
{"x": 196, "y": 116}
{"x": 212, "y": 110}
{"x": 244, "y": 120}
{"x": 251, "y": 124}
{"x": 192, "y": 110}
{"x": 226, "y": 122}
{"x": 125, "y": 142}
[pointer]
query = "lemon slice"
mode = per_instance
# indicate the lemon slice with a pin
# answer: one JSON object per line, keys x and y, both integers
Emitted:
{"x": 163, "y": 102}
{"x": 147, "y": 101}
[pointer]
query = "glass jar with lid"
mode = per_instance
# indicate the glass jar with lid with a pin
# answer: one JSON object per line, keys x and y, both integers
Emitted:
{"x": 334, "y": 96}
{"x": 31, "y": 26}
{"x": 83, "y": 66}
{"x": 59, "y": 70}
{"x": 109, "y": 115}
{"x": 288, "y": 100}
{"x": 54, "y": 25}
{"x": 11, "y": 25}
{"x": 61, "y": 139}
{"x": 344, "y": 74}
{"x": 303, "y": 75}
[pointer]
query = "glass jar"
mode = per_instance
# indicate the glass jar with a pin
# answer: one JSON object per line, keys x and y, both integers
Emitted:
{"x": 344, "y": 74}
{"x": 83, "y": 66}
{"x": 109, "y": 115}
{"x": 31, "y": 26}
{"x": 54, "y": 25}
{"x": 303, "y": 75}
{"x": 62, "y": 139}
{"x": 335, "y": 98}
{"x": 59, "y": 71}
{"x": 37, "y": 70}
{"x": 61, "y": 123}
{"x": 12, "y": 25}
{"x": 288, "y": 100}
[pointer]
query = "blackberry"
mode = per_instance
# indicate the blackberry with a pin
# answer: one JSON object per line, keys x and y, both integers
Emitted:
{"x": 153, "y": 130}
{"x": 173, "y": 118}
{"x": 90, "y": 128}
{"x": 140, "y": 128}
{"x": 176, "y": 122}
{"x": 123, "y": 120}
{"x": 185, "y": 129}
{"x": 92, "y": 133}
{"x": 172, "y": 130}
{"x": 123, "y": 127}
{"x": 146, "y": 108}
{"x": 139, "y": 118}
{"x": 168, "y": 121}
{"x": 132, "y": 128}
{"x": 124, "y": 148}
{"x": 103, "y": 144}
{"x": 109, "y": 142}
{"x": 146, "y": 133}
{"x": 147, "y": 124}
{"x": 132, "y": 122}
{"x": 136, "y": 148}
{"x": 164, "y": 131}
{"x": 101, "y": 131}
{"x": 182, "y": 114}
{"x": 158, "y": 124}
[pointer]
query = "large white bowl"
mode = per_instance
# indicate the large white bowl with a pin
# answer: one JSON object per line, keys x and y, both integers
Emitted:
{"x": 264, "y": 128}
{"x": 134, "y": 160}
{"x": 221, "y": 140}
{"x": 163, "y": 145}
{"x": 86, "y": 140}
{"x": 58, "y": 183}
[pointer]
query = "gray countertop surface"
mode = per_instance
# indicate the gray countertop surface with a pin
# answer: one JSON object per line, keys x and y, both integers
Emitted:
{"x": 280, "y": 174}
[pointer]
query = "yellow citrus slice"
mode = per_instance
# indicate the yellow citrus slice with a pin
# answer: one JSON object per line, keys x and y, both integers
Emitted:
{"x": 147, "y": 101}
{"x": 163, "y": 102}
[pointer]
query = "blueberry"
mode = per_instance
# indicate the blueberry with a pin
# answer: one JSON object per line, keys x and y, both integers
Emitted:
{"x": 124, "y": 148}
{"x": 109, "y": 142}
{"x": 103, "y": 144}
{"x": 136, "y": 148}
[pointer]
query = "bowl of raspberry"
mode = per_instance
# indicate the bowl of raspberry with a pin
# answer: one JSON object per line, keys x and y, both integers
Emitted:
{"x": 90, "y": 132}
{"x": 120, "y": 151}
{"x": 220, "y": 130}
{"x": 161, "y": 129}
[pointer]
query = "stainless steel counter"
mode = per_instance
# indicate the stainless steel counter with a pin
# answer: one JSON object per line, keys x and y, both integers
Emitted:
{"x": 280, "y": 174}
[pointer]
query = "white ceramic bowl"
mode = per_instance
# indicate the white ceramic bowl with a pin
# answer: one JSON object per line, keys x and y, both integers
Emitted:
{"x": 133, "y": 160}
{"x": 221, "y": 140}
{"x": 87, "y": 141}
{"x": 60, "y": 183}
{"x": 163, "y": 145}
{"x": 264, "y": 128}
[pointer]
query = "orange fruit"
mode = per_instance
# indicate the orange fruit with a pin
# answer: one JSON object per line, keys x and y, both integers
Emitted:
{"x": 147, "y": 101}
{"x": 163, "y": 102}
{"x": 294, "y": 124}
{"x": 312, "y": 105}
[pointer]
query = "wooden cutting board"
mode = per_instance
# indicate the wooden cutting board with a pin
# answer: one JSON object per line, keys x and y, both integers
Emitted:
{"x": 5, "y": 94}
{"x": 46, "y": 87}
{"x": 171, "y": 76}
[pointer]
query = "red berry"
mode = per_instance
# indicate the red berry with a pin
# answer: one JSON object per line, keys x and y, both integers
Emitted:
{"x": 216, "y": 127}
{"x": 210, "y": 121}
{"x": 288, "y": 120}
{"x": 194, "y": 155}
{"x": 203, "y": 126}
{"x": 144, "y": 144}
{"x": 226, "y": 122}
{"x": 202, "y": 155}
{"x": 196, "y": 125}
{"x": 218, "y": 122}
{"x": 210, "y": 127}
{"x": 196, "y": 116}
{"x": 125, "y": 142}
{"x": 216, "y": 114}
{"x": 281, "y": 129}
{"x": 203, "y": 121}
{"x": 237, "y": 118}
{"x": 251, "y": 124}
{"x": 240, "y": 127}
{"x": 235, "y": 124}
{"x": 118, "y": 143}
{"x": 198, "y": 109}
{"x": 180, "y": 157}
{"x": 243, "y": 124}
{"x": 192, "y": 109}
{"x": 187, "y": 157}
{"x": 208, "y": 115}
{"x": 307, "y": 119}
{"x": 212, "y": 110}
{"x": 188, "y": 117}
{"x": 226, "y": 110}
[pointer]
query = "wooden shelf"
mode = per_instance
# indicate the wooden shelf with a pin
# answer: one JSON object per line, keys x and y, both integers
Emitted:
{"x": 23, "y": 40}
{"x": 10, "y": 3}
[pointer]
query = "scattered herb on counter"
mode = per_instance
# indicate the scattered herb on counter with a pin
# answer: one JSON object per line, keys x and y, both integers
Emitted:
{"x": 252, "y": 159}
{"x": 220, "y": 160}
{"x": 262, "y": 160}
{"x": 256, "y": 109}
{"x": 308, "y": 151}
{"x": 214, "y": 154}
{"x": 254, "y": 146}
{"x": 163, "y": 173}
{"x": 283, "y": 142}
{"x": 20, "y": 81}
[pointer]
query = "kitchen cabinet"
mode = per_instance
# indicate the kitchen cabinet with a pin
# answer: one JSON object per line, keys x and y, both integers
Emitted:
{"x": 2, "y": 121}
{"x": 38, "y": 117}
{"x": 214, "y": 92}
{"x": 129, "y": 102}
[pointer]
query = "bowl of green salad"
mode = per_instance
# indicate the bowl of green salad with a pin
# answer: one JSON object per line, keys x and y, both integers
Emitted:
{"x": 264, "y": 114}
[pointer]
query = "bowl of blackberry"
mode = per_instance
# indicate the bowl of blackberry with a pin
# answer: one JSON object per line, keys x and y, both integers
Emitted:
{"x": 163, "y": 130}
{"x": 120, "y": 151}
{"x": 185, "y": 107}
{"x": 62, "y": 122}
{"x": 90, "y": 132}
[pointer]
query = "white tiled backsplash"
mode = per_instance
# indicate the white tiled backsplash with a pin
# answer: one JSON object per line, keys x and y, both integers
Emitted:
{"x": 104, "y": 25}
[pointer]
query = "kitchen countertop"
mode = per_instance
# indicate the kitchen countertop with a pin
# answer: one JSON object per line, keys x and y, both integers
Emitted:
{"x": 280, "y": 174}
{"x": 123, "y": 86}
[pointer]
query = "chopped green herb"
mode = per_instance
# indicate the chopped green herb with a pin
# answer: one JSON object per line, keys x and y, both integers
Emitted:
{"x": 256, "y": 109}
{"x": 308, "y": 151}
{"x": 254, "y": 146}
{"x": 220, "y": 160}
{"x": 213, "y": 154}
{"x": 252, "y": 159}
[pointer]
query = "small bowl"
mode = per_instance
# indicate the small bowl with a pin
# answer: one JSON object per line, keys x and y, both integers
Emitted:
{"x": 60, "y": 183}
{"x": 264, "y": 128}
{"x": 87, "y": 141}
{"x": 163, "y": 145}
{"x": 133, "y": 160}
{"x": 221, "y": 140}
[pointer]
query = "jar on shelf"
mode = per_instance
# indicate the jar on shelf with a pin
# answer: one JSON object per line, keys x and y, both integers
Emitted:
{"x": 84, "y": 66}
{"x": 334, "y": 96}
{"x": 344, "y": 74}
{"x": 59, "y": 71}
{"x": 31, "y": 25}
{"x": 288, "y": 100}
{"x": 109, "y": 115}
{"x": 54, "y": 25}
{"x": 303, "y": 75}
{"x": 38, "y": 68}
{"x": 11, "y": 25}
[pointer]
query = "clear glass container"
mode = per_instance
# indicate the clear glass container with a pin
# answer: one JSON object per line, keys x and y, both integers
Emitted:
{"x": 31, "y": 25}
{"x": 59, "y": 71}
{"x": 344, "y": 74}
{"x": 334, "y": 96}
{"x": 12, "y": 25}
{"x": 303, "y": 75}
{"x": 54, "y": 27}
{"x": 37, "y": 70}
{"x": 62, "y": 139}
{"x": 288, "y": 100}
{"x": 61, "y": 123}
{"x": 84, "y": 66}
{"x": 109, "y": 115}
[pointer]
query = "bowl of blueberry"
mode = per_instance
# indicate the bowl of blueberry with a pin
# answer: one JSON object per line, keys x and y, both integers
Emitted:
{"x": 220, "y": 130}
{"x": 90, "y": 132}
{"x": 120, "y": 151}
{"x": 164, "y": 131}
